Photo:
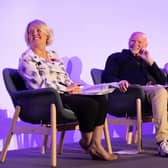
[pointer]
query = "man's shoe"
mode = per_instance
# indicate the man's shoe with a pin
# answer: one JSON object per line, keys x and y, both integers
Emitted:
{"x": 163, "y": 148}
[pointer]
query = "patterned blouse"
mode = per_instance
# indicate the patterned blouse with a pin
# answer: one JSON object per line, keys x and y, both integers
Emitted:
{"x": 41, "y": 73}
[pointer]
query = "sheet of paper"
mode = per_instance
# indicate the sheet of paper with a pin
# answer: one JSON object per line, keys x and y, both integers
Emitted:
{"x": 99, "y": 89}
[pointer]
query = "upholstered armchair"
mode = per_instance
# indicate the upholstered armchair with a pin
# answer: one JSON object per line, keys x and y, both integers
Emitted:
{"x": 129, "y": 108}
{"x": 44, "y": 113}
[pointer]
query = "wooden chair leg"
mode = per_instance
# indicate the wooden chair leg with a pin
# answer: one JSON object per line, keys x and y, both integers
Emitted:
{"x": 61, "y": 143}
{"x": 10, "y": 133}
{"x": 129, "y": 134}
{"x": 53, "y": 136}
{"x": 107, "y": 137}
{"x": 136, "y": 136}
{"x": 44, "y": 144}
{"x": 139, "y": 124}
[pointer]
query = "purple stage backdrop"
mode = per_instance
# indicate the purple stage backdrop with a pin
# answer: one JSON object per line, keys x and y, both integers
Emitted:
{"x": 86, "y": 32}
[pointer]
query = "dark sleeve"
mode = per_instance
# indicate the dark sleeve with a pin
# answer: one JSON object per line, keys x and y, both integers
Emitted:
{"x": 158, "y": 74}
{"x": 111, "y": 70}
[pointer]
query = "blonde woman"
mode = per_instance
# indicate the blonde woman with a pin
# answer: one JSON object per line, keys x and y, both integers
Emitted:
{"x": 42, "y": 68}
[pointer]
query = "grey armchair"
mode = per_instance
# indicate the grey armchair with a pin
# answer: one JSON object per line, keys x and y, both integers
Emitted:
{"x": 130, "y": 108}
{"x": 42, "y": 108}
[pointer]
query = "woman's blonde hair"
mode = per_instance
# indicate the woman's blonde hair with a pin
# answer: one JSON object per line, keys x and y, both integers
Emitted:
{"x": 44, "y": 28}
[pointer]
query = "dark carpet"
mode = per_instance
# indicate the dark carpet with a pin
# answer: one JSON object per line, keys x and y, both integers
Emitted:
{"x": 74, "y": 157}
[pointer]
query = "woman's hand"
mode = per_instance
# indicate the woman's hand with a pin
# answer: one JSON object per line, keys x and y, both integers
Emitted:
{"x": 74, "y": 89}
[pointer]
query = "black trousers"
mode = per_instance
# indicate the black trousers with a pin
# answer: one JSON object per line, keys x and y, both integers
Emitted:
{"x": 90, "y": 110}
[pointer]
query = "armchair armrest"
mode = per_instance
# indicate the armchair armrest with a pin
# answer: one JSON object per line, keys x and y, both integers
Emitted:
{"x": 49, "y": 95}
{"x": 36, "y": 103}
{"x": 124, "y": 104}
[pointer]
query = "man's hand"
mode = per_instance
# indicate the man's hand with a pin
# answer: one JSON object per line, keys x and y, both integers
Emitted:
{"x": 145, "y": 55}
{"x": 123, "y": 85}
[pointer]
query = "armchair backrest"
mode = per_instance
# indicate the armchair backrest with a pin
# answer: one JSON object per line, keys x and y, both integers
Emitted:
{"x": 13, "y": 81}
{"x": 96, "y": 75}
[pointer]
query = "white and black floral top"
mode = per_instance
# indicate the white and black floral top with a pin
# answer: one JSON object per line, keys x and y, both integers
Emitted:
{"x": 42, "y": 73}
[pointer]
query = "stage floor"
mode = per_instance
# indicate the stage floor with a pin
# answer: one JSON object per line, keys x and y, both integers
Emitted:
{"x": 74, "y": 157}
